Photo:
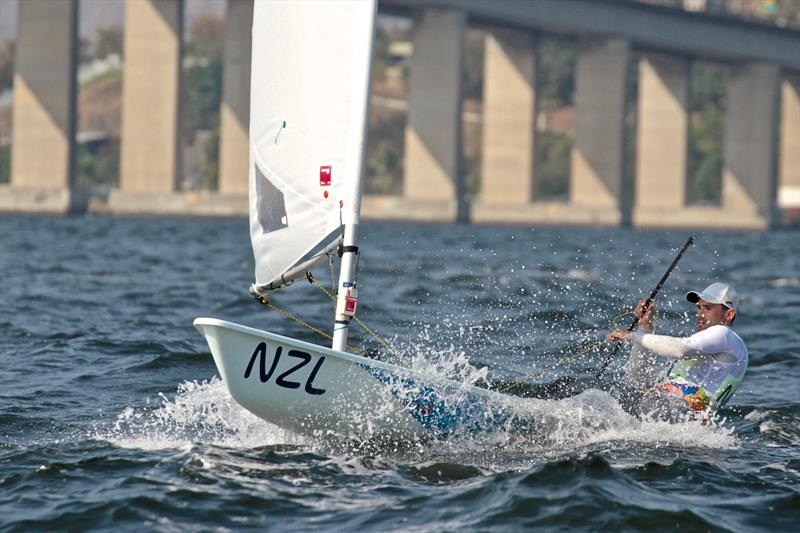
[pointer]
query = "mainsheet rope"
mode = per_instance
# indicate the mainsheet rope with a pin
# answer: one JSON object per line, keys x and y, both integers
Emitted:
{"x": 265, "y": 301}
{"x": 522, "y": 381}
{"x": 360, "y": 322}
{"x": 565, "y": 360}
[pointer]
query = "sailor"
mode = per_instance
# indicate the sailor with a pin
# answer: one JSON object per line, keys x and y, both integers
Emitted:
{"x": 708, "y": 366}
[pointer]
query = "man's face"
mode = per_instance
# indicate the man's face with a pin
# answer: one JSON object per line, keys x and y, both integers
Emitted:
{"x": 709, "y": 314}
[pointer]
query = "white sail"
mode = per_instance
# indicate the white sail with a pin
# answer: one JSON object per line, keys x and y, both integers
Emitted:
{"x": 308, "y": 102}
{"x": 309, "y": 97}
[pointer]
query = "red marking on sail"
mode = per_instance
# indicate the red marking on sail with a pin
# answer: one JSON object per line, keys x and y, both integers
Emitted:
{"x": 325, "y": 174}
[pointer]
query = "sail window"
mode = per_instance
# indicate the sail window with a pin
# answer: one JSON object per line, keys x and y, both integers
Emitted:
{"x": 271, "y": 204}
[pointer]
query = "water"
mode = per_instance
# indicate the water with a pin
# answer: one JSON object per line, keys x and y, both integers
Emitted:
{"x": 111, "y": 414}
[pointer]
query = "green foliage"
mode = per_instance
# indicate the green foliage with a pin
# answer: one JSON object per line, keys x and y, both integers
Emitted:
{"x": 201, "y": 96}
{"x": 707, "y": 107}
{"x": 206, "y": 37}
{"x": 472, "y": 174}
{"x": 553, "y": 151}
{"x": 209, "y": 164}
{"x": 630, "y": 124}
{"x": 110, "y": 40}
{"x": 384, "y": 172}
{"x": 380, "y": 51}
{"x": 7, "y": 65}
{"x": 201, "y": 93}
{"x": 556, "y": 72}
{"x": 707, "y": 179}
{"x": 555, "y": 79}
{"x": 97, "y": 164}
{"x": 5, "y": 164}
{"x": 707, "y": 87}
{"x": 102, "y": 78}
{"x": 472, "y": 77}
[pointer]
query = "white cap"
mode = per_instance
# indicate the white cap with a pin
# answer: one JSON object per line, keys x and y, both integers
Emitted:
{"x": 716, "y": 293}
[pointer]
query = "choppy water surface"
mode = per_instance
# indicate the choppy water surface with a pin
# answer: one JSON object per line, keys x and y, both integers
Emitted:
{"x": 112, "y": 414}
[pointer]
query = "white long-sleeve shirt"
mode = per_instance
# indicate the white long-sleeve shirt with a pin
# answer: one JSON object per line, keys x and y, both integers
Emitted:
{"x": 714, "y": 359}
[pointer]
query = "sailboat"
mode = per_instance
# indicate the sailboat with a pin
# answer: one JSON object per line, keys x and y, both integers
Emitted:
{"x": 309, "y": 99}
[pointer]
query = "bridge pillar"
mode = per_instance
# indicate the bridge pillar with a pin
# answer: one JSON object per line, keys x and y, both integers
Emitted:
{"x": 235, "y": 111}
{"x": 433, "y": 181}
{"x": 748, "y": 184}
{"x": 509, "y": 122}
{"x": 789, "y": 152}
{"x": 662, "y": 143}
{"x": 597, "y": 157}
{"x": 43, "y": 131}
{"x": 149, "y": 151}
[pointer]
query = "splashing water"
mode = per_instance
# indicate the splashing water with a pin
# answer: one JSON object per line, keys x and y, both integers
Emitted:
{"x": 533, "y": 427}
{"x": 595, "y": 417}
{"x": 200, "y": 412}
{"x": 203, "y": 412}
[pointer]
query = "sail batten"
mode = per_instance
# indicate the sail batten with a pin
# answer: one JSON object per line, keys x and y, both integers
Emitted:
{"x": 306, "y": 131}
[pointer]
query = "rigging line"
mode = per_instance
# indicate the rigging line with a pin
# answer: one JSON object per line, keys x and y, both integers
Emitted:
{"x": 333, "y": 280}
{"x": 312, "y": 280}
{"x": 374, "y": 335}
{"x": 294, "y": 317}
{"x": 300, "y": 321}
{"x": 568, "y": 359}
{"x": 406, "y": 361}
{"x": 560, "y": 363}
{"x": 382, "y": 342}
{"x": 649, "y": 300}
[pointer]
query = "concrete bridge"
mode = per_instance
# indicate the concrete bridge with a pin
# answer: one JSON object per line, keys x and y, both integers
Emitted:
{"x": 761, "y": 132}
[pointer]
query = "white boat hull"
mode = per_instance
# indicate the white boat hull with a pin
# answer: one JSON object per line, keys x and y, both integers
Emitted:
{"x": 316, "y": 391}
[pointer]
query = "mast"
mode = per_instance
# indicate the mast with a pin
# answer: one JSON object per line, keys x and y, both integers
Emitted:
{"x": 351, "y": 197}
{"x": 347, "y": 297}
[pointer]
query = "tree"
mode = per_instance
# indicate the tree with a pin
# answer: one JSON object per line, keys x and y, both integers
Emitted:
{"x": 473, "y": 66}
{"x": 556, "y": 73}
{"x": 552, "y": 168}
{"x": 708, "y": 106}
{"x": 5, "y": 164}
{"x": 208, "y": 170}
{"x": 97, "y": 164}
{"x": 201, "y": 92}
{"x": 109, "y": 41}
{"x": 202, "y": 95}
{"x": 7, "y": 65}
{"x": 381, "y": 51}
{"x": 555, "y": 86}
{"x": 84, "y": 51}
{"x": 384, "y": 173}
{"x": 206, "y": 36}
